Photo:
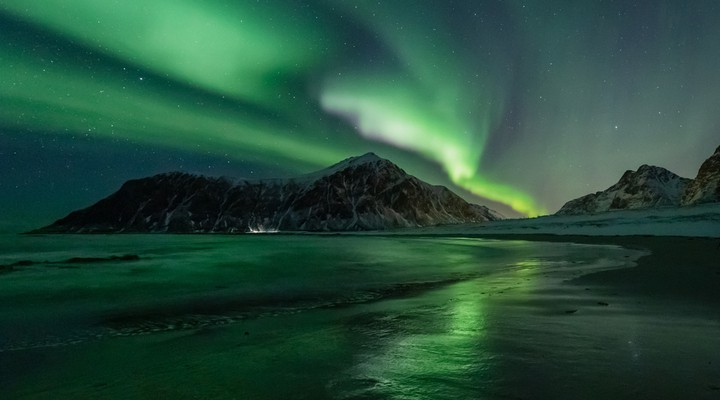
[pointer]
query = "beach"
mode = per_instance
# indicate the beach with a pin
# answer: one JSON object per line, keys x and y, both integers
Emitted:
{"x": 674, "y": 268}
{"x": 502, "y": 316}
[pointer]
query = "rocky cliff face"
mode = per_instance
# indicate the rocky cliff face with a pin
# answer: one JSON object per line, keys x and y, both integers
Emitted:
{"x": 360, "y": 193}
{"x": 705, "y": 188}
{"x": 649, "y": 186}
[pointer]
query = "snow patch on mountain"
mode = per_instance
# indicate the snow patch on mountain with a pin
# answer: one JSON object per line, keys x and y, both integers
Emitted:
{"x": 705, "y": 188}
{"x": 649, "y": 186}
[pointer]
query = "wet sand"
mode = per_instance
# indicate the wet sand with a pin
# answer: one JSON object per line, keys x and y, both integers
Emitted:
{"x": 679, "y": 268}
{"x": 544, "y": 329}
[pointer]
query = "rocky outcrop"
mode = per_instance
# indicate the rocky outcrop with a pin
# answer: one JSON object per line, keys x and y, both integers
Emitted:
{"x": 653, "y": 187}
{"x": 360, "y": 193}
{"x": 649, "y": 186}
{"x": 705, "y": 188}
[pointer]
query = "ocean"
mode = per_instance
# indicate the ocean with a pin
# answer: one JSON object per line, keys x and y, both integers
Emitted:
{"x": 275, "y": 316}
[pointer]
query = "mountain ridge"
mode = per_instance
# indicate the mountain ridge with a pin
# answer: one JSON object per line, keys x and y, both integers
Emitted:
{"x": 359, "y": 193}
{"x": 705, "y": 188}
{"x": 651, "y": 187}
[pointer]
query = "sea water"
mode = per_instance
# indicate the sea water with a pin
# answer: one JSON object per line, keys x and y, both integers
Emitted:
{"x": 344, "y": 317}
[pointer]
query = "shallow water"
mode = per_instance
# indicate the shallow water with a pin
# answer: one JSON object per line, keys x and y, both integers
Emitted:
{"x": 276, "y": 316}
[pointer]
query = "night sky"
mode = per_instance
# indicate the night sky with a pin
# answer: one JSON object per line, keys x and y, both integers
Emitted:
{"x": 520, "y": 105}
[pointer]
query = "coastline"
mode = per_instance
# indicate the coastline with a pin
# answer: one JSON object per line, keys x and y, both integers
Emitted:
{"x": 675, "y": 267}
{"x": 526, "y": 329}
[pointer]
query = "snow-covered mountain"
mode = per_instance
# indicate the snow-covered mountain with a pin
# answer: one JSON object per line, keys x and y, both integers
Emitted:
{"x": 359, "y": 193}
{"x": 649, "y": 186}
{"x": 705, "y": 188}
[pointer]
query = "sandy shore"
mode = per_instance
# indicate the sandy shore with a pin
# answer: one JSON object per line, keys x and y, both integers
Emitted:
{"x": 539, "y": 326}
{"x": 676, "y": 267}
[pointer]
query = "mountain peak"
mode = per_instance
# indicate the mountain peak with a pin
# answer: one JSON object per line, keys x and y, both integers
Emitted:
{"x": 649, "y": 186}
{"x": 705, "y": 188}
{"x": 645, "y": 173}
{"x": 652, "y": 186}
{"x": 645, "y": 168}
{"x": 363, "y": 159}
{"x": 369, "y": 156}
{"x": 366, "y": 159}
{"x": 359, "y": 193}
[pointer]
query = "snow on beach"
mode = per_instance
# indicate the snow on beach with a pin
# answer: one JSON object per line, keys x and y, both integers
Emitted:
{"x": 696, "y": 221}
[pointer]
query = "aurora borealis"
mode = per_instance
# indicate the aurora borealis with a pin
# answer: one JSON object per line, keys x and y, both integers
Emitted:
{"x": 520, "y": 105}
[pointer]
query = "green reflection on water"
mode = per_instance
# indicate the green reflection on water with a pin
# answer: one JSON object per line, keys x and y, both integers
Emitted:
{"x": 428, "y": 349}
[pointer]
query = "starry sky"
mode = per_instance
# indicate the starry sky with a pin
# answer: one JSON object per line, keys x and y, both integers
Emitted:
{"x": 520, "y": 105}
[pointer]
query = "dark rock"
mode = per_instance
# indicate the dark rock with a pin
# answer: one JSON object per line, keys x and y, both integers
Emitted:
{"x": 23, "y": 263}
{"x": 93, "y": 260}
{"x": 74, "y": 260}
{"x": 705, "y": 188}
{"x": 602, "y": 303}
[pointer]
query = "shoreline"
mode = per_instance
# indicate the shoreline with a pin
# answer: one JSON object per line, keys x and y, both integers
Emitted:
{"x": 684, "y": 267}
{"x": 523, "y": 331}
{"x": 676, "y": 267}
{"x": 680, "y": 265}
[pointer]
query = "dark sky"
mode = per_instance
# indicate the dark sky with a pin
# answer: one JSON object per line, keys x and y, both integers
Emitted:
{"x": 521, "y": 105}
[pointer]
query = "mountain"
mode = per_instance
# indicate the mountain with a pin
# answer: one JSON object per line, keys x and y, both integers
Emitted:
{"x": 705, "y": 188}
{"x": 359, "y": 193}
{"x": 649, "y": 186}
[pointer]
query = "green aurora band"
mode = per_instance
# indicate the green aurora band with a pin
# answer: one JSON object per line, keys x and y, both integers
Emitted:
{"x": 222, "y": 56}
{"x": 484, "y": 89}
{"x": 251, "y": 52}
{"x": 418, "y": 108}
